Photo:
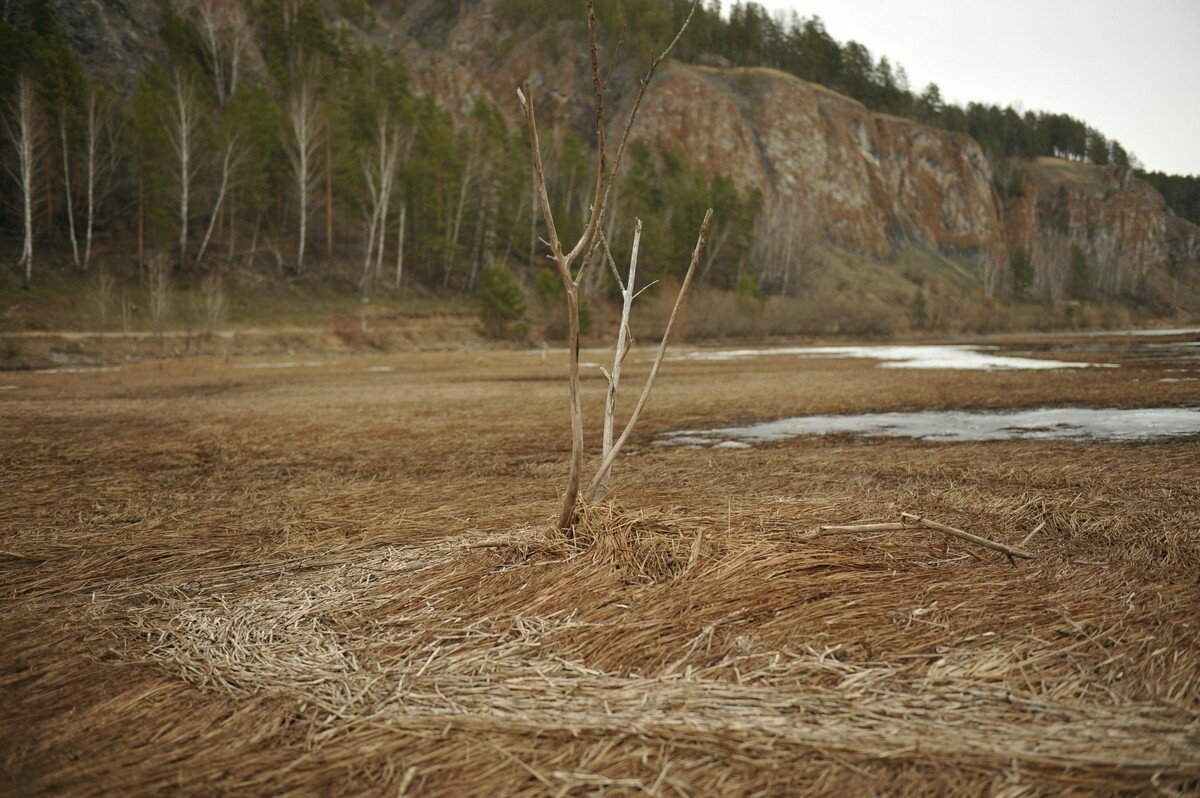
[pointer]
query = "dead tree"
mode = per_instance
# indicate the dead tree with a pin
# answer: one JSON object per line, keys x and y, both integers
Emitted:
{"x": 584, "y": 252}
{"x": 23, "y": 129}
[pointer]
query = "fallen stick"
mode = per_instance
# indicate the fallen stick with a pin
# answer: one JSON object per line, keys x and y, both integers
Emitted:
{"x": 1036, "y": 529}
{"x": 885, "y": 527}
{"x": 1008, "y": 551}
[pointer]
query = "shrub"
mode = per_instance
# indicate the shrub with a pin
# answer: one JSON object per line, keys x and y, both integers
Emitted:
{"x": 749, "y": 294}
{"x": 501, "y": 303}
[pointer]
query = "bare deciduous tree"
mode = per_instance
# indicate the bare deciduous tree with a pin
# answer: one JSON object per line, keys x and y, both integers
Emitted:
{"x": 784, "y": 238}
{"x": 159, "y": 284}
{"x": 304, "y": 137}
{"x": 224, "y": 36}
{"x": 400, "y": 243}
{"x": 585, "y": 250}
{"x": 104, "y": 296}
{"x": 183, "y": 123}
{"x": 390, "y": 145}
{"x": 64, "y": 138}
{"x": 212, "y": 295}
{"x": 102, "y": 151}
{"x": 231, "y": 159}
{"x": 22, "y": 124}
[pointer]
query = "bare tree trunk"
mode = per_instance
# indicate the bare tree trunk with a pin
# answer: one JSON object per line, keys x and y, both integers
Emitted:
{"x": 400, "y": 244}
{"x": 97, "y": 124}
{"x": 183, "y": 121}
{"x": 160, "y": 295}
{"x": 622, "y": 349}
{"x": 301, "y": 147}
{"x": 533, "y": 217}
{"x": 22, "y": 131}
{"x": 141, "y": 222}
{"x": 70, "y": 196}
{"x": 452, "y": 234}
{"x": 329, "y": 204}
{"x": 232, "y": 224}
{"x": 601, "y": 478}
{"x": 587, "y": 245}
{"x": 229, "y": 165}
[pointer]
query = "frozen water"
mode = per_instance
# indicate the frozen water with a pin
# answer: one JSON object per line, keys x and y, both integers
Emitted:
{"x": 1050, "y": 423}
{"x": 78, "y": 370}
{"x": 904, "y": 357}
{"x": 290, "y": 364}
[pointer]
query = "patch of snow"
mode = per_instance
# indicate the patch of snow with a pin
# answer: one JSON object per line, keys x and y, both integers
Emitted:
{"x": 78, "y": 370}
{"x": 284, "y": 365}
{"x": 959, "y": 357}
{"x": 9, "y": 387}
{"x": 1062, "y": 423}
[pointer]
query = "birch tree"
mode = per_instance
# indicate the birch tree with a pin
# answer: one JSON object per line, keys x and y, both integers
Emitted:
{"x": 301, "y": 145}
{"x": 224, "y": 35}
{"x": 101, "y": 152}
{"x": 64, "y": 137}
{"x": 22, "y": 124}
{"x": 584, "y": 252}
{"x": 231, "y": 160}
{"x": 183, "y": 124}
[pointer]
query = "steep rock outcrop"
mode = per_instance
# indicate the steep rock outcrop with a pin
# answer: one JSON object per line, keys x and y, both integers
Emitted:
{"x": 872, "y": 181}
{"x": 1121, "y": 221}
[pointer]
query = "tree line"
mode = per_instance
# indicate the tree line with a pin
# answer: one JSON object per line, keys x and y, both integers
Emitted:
{"x": 270, "y": 137}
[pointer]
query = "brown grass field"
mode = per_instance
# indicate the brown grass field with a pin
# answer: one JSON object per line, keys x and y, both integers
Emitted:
{"x": 336, "y": 579}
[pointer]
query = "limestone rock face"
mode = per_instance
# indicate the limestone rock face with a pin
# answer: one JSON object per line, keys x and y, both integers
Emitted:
{"x": 1122, "y": 222}
{"x": 872, "y": 181}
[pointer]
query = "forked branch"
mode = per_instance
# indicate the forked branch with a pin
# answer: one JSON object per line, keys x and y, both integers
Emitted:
{"x": 601, "y": 477}
{"x": 587, "y": 246}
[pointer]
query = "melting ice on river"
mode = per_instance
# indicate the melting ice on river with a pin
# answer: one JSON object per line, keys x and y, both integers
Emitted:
{"x": 903, "y": 357}
{"x": 1050, "y": 423}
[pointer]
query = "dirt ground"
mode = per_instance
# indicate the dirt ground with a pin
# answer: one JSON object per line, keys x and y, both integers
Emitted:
{"x": 335, "y": 576}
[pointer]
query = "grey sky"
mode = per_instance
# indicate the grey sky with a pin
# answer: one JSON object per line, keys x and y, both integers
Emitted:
{"x": 1129, "y": 69}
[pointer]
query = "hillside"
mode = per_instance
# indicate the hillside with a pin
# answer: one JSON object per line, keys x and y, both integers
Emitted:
{"x": 872, "y": 183}
{"x": 832, "y": 199}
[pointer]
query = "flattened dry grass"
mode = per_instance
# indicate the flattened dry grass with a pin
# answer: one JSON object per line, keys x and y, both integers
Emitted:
{"x": 342, "y": 581}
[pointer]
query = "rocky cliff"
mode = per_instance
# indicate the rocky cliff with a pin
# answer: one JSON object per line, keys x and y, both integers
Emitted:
{"x": 873, "y": 183}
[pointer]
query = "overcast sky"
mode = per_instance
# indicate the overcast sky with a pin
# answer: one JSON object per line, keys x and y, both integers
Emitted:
{"x": 1130, "y": 69}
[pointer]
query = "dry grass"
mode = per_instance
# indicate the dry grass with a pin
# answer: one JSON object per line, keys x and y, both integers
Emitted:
{"x": 333, "y": 580}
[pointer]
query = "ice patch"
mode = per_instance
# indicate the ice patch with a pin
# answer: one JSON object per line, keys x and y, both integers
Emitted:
{"x": 286, "y": 365}
{"x": 78, "y": 370}
{"x": 960, "y": 357}
{"x": 1050, "y": 423}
